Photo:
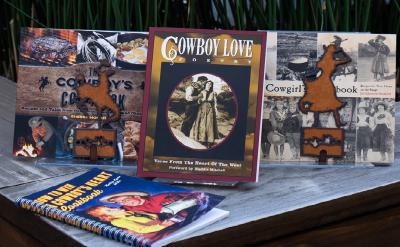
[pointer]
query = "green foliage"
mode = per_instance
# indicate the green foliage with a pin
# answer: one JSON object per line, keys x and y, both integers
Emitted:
{"x": 378, "y": 16}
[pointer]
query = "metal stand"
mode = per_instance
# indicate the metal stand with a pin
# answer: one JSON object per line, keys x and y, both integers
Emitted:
{"x": 195, "y": 182}
{"x": 84, "y": 163}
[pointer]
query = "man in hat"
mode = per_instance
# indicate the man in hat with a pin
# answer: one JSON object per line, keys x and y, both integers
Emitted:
{"x": 379, "y": 64}
{"x": 43, "y": 135}
{"x": 338, "y": 41}
{"x": 145, "y": 224}
{"x": 165, "y": 205}
{"x": 192, "y": 94}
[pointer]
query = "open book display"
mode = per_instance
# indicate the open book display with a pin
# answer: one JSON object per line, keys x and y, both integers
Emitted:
{"x": 329, "y": 97}
{"x": 79, "y": 94}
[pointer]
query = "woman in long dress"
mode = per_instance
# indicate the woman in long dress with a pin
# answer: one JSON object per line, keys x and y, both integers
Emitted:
{"x": 379, "y": 64}
{"x": 205, "y": 129}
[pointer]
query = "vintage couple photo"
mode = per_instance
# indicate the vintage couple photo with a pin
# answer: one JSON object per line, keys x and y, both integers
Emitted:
{"x": 202, "y": 111}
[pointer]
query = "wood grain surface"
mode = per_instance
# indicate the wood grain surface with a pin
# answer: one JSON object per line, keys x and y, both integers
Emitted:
{"x": 287, "y": 200}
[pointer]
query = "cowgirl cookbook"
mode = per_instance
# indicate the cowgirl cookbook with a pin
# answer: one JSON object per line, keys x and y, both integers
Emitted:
{"x": 79, "y": 94}
{"x": 130, "y": 210}
{"x": 202, "y": 105}
{"x": 329, "y": 97}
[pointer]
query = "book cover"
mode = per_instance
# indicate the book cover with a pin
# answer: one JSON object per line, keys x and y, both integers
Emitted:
{"x": 202, "y": 105}
{"x": 48, "y": 95}
{"x": 363, "y": 81}
{"x": 127, "y": 209}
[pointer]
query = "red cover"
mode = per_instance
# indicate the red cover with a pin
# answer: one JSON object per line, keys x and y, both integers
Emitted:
{"x": 202, "y": 105}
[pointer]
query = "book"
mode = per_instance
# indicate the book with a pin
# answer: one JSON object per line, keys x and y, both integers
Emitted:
{"x": 363, "y": 82}
{"x": 47, "y": 113}
{"x": 131, "y": 210}
{"x": 202, "y": 105}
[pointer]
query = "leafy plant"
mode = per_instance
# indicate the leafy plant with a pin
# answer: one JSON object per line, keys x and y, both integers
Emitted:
{"x": 380, "y": 16}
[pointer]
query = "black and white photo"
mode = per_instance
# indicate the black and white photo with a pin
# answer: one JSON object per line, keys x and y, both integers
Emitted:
{"x": 94, "y": 46}
{"x": 375, "y": 130}
{"x": 346, "y": 45}
{"x": 296, "y": 55}
{"x": 281, "y": 126}
{"x": 377, "y": 58}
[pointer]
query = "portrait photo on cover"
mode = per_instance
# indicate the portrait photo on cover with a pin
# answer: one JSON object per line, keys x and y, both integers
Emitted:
{"x": 377, "y": 57}
{"x": 202, "y": 111}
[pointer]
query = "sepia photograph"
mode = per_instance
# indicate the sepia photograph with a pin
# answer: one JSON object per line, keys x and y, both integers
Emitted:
{"x": 375, "y": 130}
{"x": 202, "y": 111}
{"x": 377, "y": 57}
{"x": 346, "y": 47}
{"x": 296, "y": 55}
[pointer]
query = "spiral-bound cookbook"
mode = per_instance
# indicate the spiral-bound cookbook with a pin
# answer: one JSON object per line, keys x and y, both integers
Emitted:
{"x": 127, "y": 209}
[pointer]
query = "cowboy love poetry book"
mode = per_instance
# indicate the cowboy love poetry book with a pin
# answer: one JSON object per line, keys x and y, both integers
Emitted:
{"x": 202, "y": 105}
{"x": 127, "y": 209}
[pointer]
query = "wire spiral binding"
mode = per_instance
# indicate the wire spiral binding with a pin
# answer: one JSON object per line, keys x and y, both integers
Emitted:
{"x": 105, "y": 230}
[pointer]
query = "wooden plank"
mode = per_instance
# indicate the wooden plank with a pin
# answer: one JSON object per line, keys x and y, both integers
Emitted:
{"x": 301, "y": 219}
{"x": 19, "y": 171}
{"x": 12, "y": 236}
{"x": 289, "y": 197}
{"x": 376, "y": 229}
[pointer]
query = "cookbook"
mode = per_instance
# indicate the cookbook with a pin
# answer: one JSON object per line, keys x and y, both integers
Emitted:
{"x": 62, "y": 89}
{"x": 331, "y": 96}
{"x": 131, "y": 210}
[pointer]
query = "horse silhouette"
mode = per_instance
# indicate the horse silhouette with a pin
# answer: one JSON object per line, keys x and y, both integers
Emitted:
{"x": 320, "y": 93}
{"x": 98, "y": 94}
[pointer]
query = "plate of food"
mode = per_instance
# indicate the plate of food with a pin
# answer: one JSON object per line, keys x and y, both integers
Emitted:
{"x": 132, "y": 49}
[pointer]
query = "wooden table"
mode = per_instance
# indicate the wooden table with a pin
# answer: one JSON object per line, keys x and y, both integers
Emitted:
{"x": 288, "y": 206}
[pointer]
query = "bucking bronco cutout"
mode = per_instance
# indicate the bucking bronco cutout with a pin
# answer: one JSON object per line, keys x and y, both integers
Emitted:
{"x": 320, "y": 97}
{"x": 99, "y": 94}
{"x": 97, "y": 143}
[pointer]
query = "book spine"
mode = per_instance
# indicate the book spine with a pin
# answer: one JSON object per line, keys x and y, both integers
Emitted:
{"x": 87, "y": 224}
